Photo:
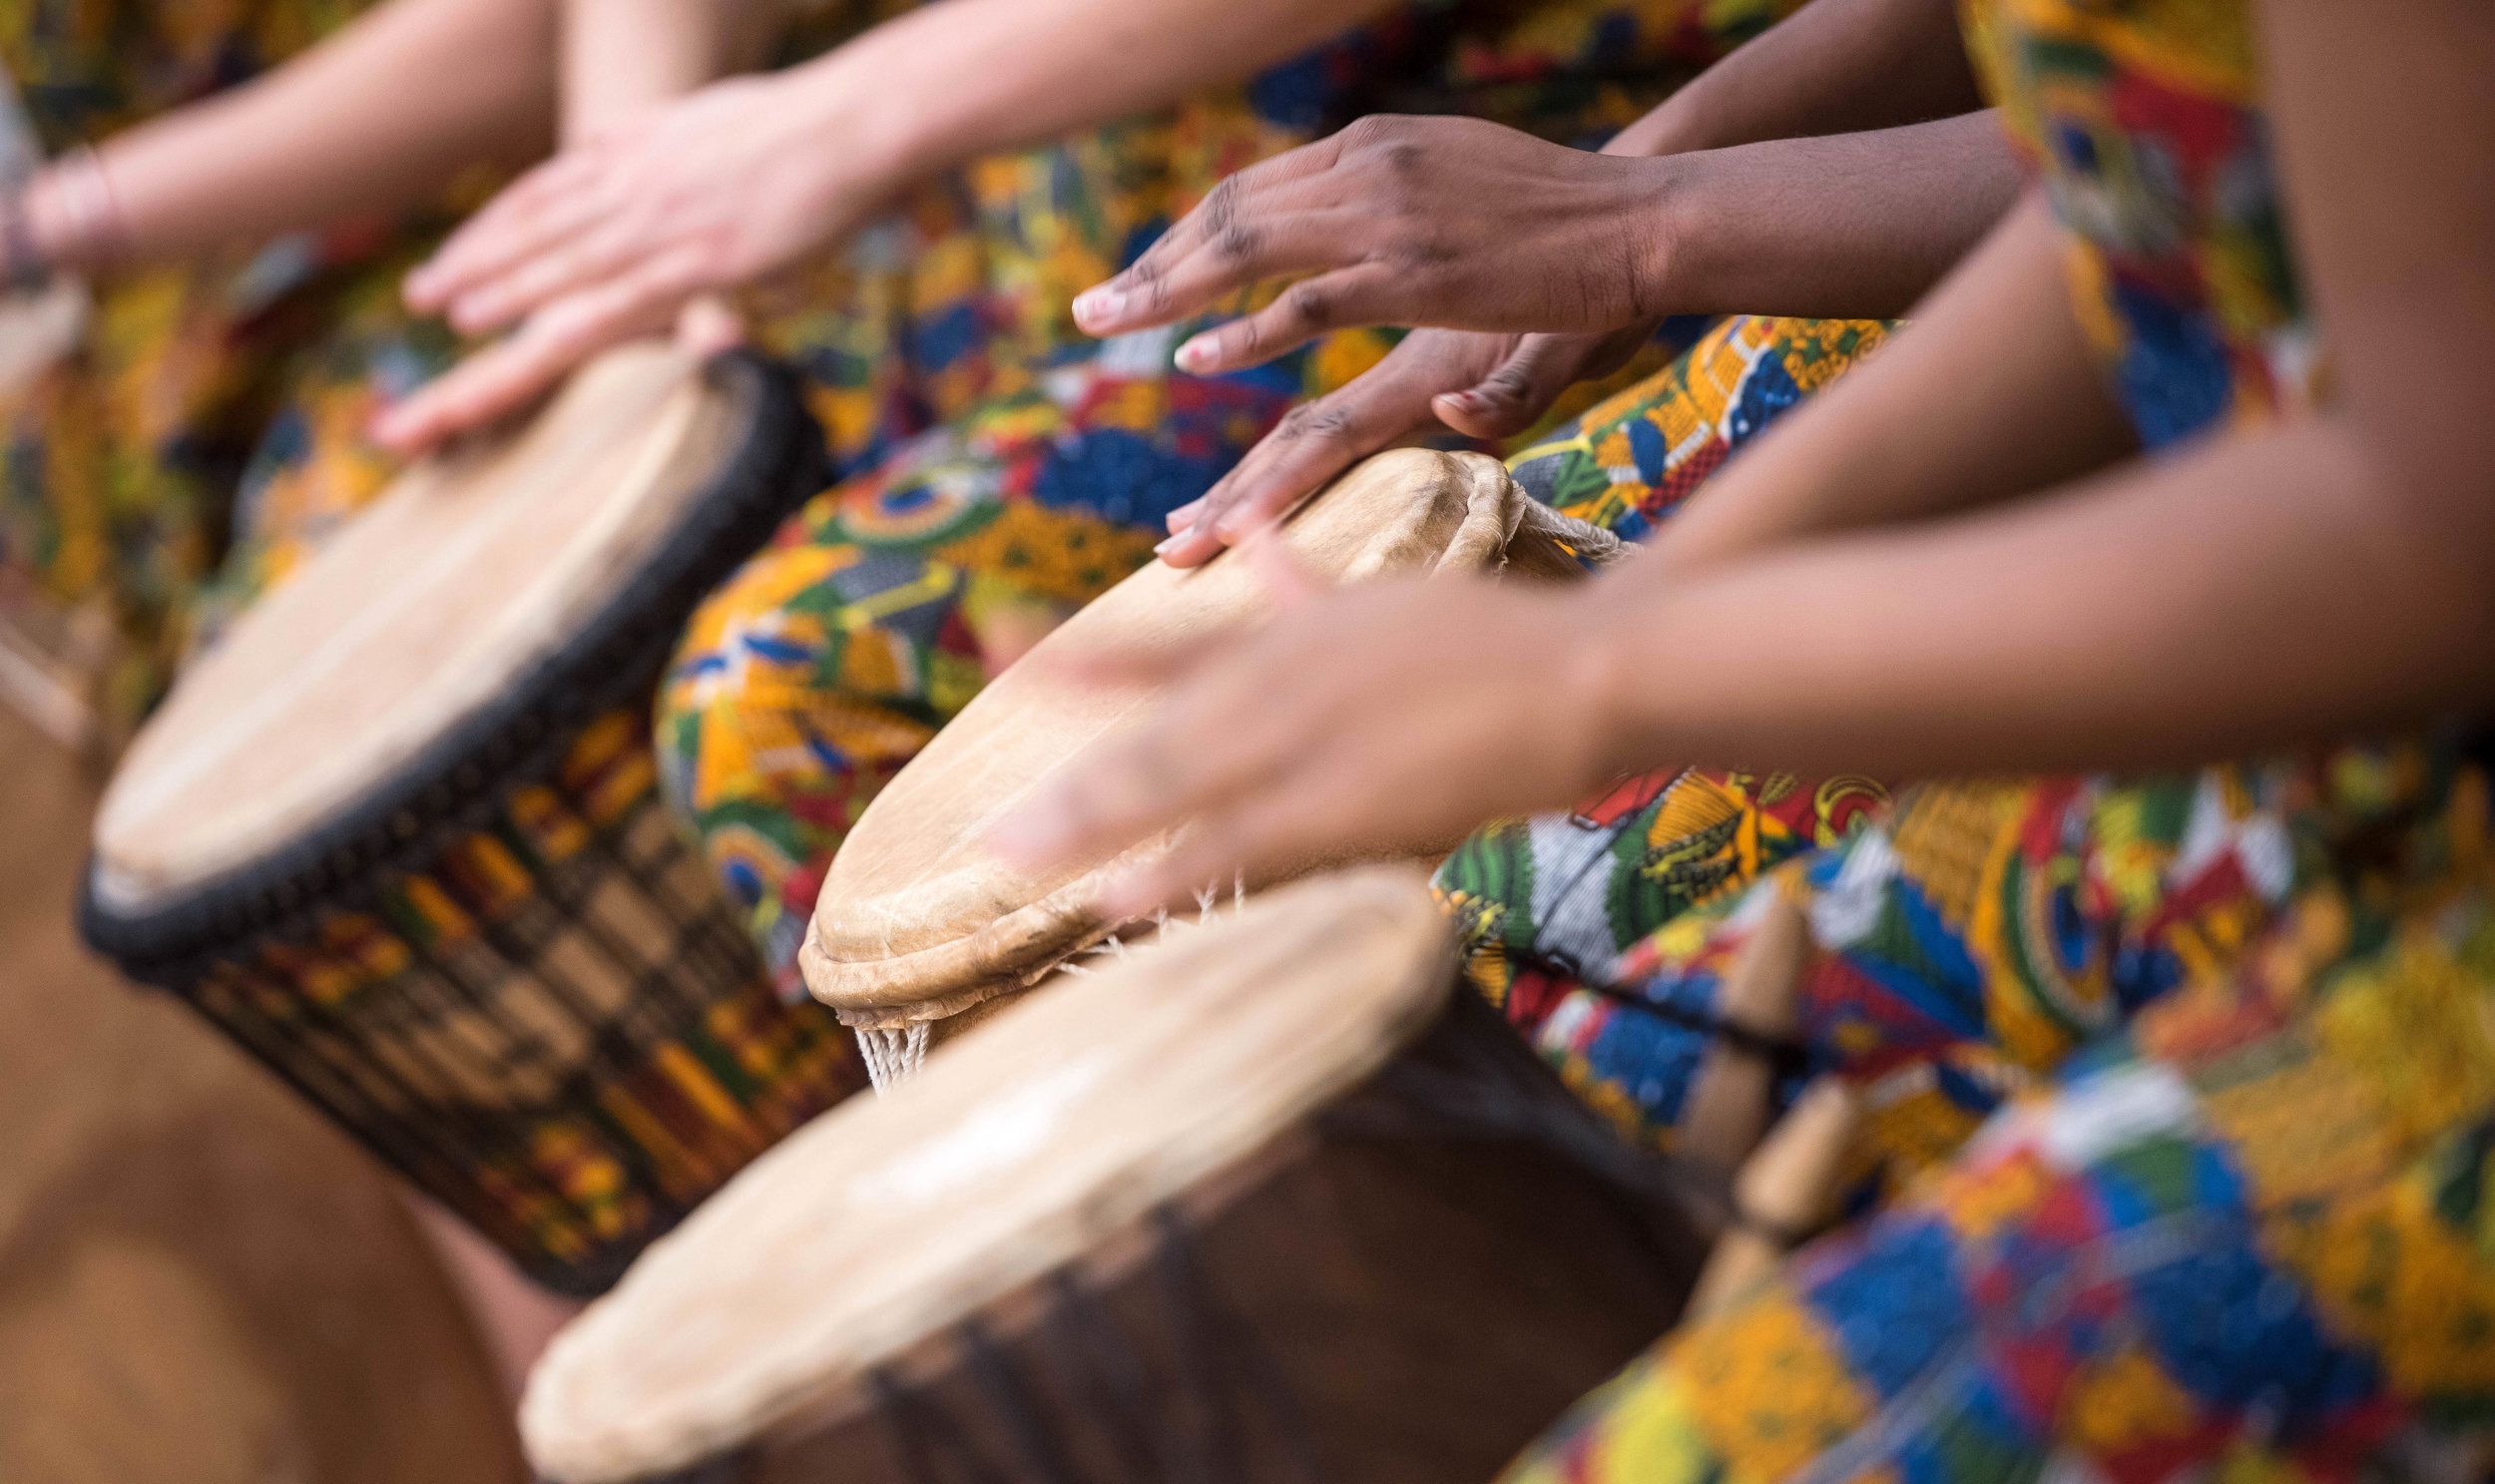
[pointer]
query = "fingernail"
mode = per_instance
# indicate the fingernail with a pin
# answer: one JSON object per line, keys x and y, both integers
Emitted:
{"x": 1197, "y": 355}
{"x": 1100, "y": 305}
{"x": 1175, "y": 538}
{"x": 1470, "y": 401}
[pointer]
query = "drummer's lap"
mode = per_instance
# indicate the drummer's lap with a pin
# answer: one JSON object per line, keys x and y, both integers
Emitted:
{"x": 1542, "y": 900}
{"x": 2257, "y": 1205}
{"x": 1966, "y": 939}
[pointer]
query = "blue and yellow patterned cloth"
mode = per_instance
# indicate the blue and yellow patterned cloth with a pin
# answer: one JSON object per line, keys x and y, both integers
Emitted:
{"x": 2181, "y": 1089}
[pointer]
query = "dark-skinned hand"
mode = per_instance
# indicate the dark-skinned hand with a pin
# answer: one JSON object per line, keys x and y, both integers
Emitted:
{"x": 1480, "y": 383}
{"x": 1453, "y": 224}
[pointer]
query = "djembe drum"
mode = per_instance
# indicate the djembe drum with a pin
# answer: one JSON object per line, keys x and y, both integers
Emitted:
{"x": 400, "y": 832}
{"x": 1265, "y": 1201}
{"x": 918, "y": 926}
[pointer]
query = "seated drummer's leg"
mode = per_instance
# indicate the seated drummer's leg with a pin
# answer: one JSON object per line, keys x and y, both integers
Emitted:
{"x": 1545, "y": 900}
{"x": 2224, "y": 1243}
{"x": 1963, "y": 941}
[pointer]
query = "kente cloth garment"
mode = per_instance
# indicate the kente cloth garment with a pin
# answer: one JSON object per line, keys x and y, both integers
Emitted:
{"x": 209, "y": 431}
{"x": 2232, "y": 1031}
{"x": 118, "y": 466}
{"x": 2243, "y": 1234}
{"x": 1548, "y": 905}
{"x": 999, "y": 467}
{"x": 2143, "y": 117}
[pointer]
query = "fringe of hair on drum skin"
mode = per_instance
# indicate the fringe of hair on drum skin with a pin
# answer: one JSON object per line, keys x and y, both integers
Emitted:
{"x": 895, "y": 1055}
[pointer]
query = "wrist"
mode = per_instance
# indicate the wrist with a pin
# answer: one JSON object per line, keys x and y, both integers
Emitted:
{"x": 1595, "y": 688}
{"x": 1668, "y": 239}
{"x": 69, "y": 219}
{"x": 862, "y": 100}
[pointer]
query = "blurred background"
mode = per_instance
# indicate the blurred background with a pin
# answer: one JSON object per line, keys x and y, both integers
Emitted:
{"x": 199, "y": 1279}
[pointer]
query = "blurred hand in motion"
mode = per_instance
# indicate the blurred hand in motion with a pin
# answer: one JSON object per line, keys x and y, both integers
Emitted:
{"x": 1300, "y": 742}
{"x": 616, "y": 236}
{"x": 1480, "y": 383}
{"x": 1449, "y": 222}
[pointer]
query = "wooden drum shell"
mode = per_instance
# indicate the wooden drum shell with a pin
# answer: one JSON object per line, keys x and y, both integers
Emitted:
{"x": 1405, "y": 1281}
{"x": 500, "y": 966}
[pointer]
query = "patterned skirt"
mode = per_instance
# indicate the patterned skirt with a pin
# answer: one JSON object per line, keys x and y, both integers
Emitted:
{"x": 2178, "y": 1090}
{"x": 2227, "y": 1215}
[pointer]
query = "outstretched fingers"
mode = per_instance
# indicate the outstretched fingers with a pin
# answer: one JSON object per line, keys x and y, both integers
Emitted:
{"x": 561, "y": 268}
{"x": 509, "y": 374}
{"x": 1269, "y": 219}
{"x": 1363, "y": 295}
{"x": 543, "y": 209}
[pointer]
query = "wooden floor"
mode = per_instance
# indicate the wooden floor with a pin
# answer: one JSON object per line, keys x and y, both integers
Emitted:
{"x": 199, "y": 1282}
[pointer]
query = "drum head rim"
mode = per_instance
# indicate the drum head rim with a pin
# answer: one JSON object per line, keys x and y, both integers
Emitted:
{"x": 776, "y": 463}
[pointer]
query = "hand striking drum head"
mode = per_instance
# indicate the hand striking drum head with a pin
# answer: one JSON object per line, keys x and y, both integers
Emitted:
{"x": 1266, "y": 1184}
{"x": 400, "y": 832}
{"x": 916, "y": 921}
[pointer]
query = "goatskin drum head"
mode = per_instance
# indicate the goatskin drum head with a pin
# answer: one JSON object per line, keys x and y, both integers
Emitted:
{"x": 458, "y": 579}
{"x": 1019, "y": 1151}
{"x": 916, "y": 920}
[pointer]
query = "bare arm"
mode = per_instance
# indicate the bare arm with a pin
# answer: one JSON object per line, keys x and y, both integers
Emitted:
{"x": 1993, "y": 394}
{"x": 621, "y": 55}
{"x": 1834, "y": 67}
{"x": 378, "y": 117}
{"x": 1046, "y": 68}
{"x": 2294, "y": 584}
{"x": 748, "y": 177}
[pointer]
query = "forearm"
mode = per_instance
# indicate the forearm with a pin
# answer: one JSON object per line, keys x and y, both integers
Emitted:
{"x": 1848, "y": 225}
{"x": 1834, "y": 67}
{"x": 621, "y": 55}
{"x": 2257, "y": 593}
{"x": 1991, "y": 393}
{"x": 1044, "y": 68}
{"x": 378, "y": 117}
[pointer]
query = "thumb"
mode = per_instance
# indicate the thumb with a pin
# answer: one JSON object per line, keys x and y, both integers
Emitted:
{"x": 1511, "y": 399}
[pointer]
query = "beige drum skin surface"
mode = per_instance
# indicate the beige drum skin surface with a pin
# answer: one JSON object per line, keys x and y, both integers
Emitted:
{"x": 1027, "y": 1143}
{"x": 916, "y": 920}
{"x": 465, "y": 573}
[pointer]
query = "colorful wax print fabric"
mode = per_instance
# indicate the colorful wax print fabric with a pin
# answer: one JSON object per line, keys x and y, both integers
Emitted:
{"x": 119, "y": 464}
{"x": 2142, "y": 116}
{"x": 2242, "y": 1235}
{"x": 1629, "y": 461}
{"x": 999, "y": 468}
{"x": 1547, "y": 907}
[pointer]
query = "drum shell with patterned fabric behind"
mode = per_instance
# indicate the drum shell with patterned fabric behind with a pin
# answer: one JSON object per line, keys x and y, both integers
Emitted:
{"x": 466, "y": 926}
{"x": 1268, "y": 1200}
